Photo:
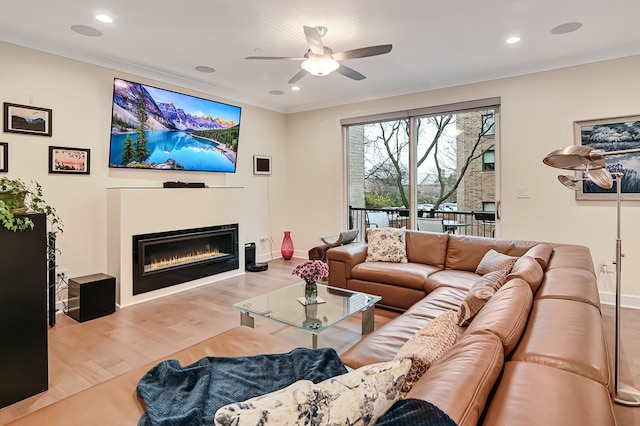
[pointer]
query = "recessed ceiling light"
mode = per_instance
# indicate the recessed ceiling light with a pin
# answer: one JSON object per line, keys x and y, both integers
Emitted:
{"x": 295, "y": 88}
{"x": 513, "y": 40}
{"x": 276, "y": 92}
{"x": 205, "y": 69}
{"x": 86, "y": 30}
{"x": 565, "y": 28}
{"x": 104, "y": 18}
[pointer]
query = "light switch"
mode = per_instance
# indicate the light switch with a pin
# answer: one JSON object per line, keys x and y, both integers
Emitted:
{"x": 523, "y": 192}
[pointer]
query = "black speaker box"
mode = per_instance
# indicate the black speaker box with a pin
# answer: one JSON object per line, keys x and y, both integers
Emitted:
{"x": 91, "y": 296}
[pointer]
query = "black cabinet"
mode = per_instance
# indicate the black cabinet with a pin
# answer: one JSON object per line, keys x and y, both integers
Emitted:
{"x": 23, "y": 312}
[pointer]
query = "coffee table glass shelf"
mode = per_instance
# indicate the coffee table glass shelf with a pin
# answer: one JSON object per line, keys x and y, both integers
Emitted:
{"x": 336, "y": 305}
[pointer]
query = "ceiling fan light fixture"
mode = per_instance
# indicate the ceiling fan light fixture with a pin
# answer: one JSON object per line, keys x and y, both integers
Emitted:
{"x": 320, "y": 66}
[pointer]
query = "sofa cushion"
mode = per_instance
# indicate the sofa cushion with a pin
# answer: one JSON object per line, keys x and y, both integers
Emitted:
{"x": 426, "y": 346}
{"x": 460, "y": 382}
{"x": 571, "y": 256}
{"x": 567, "y": 335}
{"x": 479, "y": 294}
{"x": 385, "y": 342}
{"x": 427, "y": 248}
{"x": 363, "y": 395}
{"x": 451, "y": 278}
{"x": 494, "y": 261}
{"x": 534, "y": 394}
{"x": 464, "y": 252}
{"x": 572, "y": 284}
{"x": 505, "y": 314}
{"x": 527, "y": 268}
{"x": 541, "y": 253}
{"x": 410, "y": 275}
{"x": 386, "y": 245}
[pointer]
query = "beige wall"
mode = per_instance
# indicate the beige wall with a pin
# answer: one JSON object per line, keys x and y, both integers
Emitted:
{"x": 537, "y": 115}
{"x": 306, "y": 192}
{"x": 80, "y": 96}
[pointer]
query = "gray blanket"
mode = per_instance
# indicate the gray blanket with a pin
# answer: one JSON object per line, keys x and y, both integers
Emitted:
{"x": 191, "y": 395}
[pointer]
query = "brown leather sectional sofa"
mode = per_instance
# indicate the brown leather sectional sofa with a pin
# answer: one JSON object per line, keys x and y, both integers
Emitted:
{"x": 535, "y": 354}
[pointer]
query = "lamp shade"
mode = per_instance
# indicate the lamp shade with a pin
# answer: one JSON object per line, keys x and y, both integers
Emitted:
{"x": 320, "y": 66}
{"x": 575, "y": 157}
{"x": 569, "y": 181}
{"x": 601, "y": 177}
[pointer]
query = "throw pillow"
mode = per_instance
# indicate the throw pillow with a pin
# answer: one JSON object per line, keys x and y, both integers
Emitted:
{"x": 359, "y": 397}
{"x": 529, "y": 270}
{"x": 494, "y": 261}
{"x": 478, "y": 295}
{"x": 426, "y": 346}
{"x": 386, "y": 245}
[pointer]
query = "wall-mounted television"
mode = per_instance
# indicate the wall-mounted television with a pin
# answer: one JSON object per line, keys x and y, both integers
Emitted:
{"x": 153, "y": 128}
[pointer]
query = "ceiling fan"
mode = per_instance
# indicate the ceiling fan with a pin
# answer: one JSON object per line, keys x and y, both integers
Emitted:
{"x": 320, "y": 60}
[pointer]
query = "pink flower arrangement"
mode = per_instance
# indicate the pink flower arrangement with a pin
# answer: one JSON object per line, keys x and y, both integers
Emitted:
{"x": 311, "y": 270}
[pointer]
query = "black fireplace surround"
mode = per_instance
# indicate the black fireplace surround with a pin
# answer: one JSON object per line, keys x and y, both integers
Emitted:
{"x": 164, "y": 259}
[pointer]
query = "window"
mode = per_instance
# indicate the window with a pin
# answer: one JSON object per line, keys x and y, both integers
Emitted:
{"x": 488, "y": 125}
{"x": 411, "y": 162}
{"x": 488, "y": 206}
{"x": 489, "y": 161}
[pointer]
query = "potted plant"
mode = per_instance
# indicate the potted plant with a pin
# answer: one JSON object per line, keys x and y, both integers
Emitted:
{"x": 18, "y": 197}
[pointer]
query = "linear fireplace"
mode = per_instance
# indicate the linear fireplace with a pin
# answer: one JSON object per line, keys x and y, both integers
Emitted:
{"x": 164, "y": 259}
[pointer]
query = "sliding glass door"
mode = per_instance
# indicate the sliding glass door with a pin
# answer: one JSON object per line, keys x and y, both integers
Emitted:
{"x": 425, "y": 164}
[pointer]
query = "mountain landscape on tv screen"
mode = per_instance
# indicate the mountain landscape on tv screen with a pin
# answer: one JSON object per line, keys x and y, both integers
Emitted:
{"x": 162, "y": 115}
{"x": 159, "y": 129}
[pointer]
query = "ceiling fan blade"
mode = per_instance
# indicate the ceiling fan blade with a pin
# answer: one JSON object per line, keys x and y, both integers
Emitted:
{"x": 363, "y": 52}
{"x": 298, "y": 76}
{"x": 350, "y": 72}
{"x": 275, "y": 57}
{"x": 314, "y": 40}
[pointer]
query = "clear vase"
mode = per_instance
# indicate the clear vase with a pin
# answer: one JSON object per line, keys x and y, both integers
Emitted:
{"x": 310, "y": 292}
{"x": 287, "y": 246}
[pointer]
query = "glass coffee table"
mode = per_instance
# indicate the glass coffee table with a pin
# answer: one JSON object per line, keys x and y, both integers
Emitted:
{"x": 336, "y": 304}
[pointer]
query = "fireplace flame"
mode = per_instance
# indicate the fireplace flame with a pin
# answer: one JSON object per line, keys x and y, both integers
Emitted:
{"x": 183, "y": 260}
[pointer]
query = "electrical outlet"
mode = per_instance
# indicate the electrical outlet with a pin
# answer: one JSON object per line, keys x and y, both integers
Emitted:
{"x": 264, "y": 239}
{"x": 62, "y": 275}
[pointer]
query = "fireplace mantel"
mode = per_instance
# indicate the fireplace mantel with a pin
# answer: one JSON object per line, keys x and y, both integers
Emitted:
{"x": 144, "y": 210}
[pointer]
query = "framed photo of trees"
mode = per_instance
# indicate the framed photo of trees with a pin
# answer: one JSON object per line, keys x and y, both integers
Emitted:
{"x": 612, "y": 134}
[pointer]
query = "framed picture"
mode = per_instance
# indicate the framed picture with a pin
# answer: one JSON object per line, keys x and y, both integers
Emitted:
{"x": 69, "y": 160}
{"x": 261, "y": 165}
{"x": 4, "y": 157}
{"x": 612, "y": 134}
{"x": 26, "y": 119}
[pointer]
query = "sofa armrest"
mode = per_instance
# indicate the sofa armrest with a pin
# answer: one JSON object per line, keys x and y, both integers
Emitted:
{"x": 342, "y": 259}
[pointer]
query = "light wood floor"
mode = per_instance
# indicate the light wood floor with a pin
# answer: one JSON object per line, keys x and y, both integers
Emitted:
{"x": 84, "y": 354}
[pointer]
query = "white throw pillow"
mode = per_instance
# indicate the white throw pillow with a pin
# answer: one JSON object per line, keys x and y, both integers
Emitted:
{"x": 356, "y": 398}
{"x": 386, "y": 245}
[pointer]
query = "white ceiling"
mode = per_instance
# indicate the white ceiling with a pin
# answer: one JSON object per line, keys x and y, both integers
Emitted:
{"x": 435, "y": 44}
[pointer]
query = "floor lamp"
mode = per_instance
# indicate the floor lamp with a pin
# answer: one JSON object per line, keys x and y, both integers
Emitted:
{"x": 591, "y": 163}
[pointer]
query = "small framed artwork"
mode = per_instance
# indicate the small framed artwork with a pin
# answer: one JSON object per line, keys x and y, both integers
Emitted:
{"x": 612, "y": 134}
{"x": 261, "y": 165}
{"x": 4, "y": 157}
{"x": 27, "y": 119}
{"x": 69, "y": 160}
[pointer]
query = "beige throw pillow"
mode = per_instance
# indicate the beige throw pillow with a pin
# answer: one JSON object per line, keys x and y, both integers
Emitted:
{"x": 356, "y": 398}
{"x": 479, "y": 294}
{"x": 386, "y": 245}
{"x": 426, "y": 346}
{"x": 494, "y": 261}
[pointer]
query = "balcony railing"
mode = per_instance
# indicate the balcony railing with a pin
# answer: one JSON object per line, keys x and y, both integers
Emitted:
{"x": 479, "y": 224}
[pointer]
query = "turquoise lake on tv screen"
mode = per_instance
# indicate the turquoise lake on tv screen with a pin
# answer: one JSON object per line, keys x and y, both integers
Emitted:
{"x": 192, "y": 153}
